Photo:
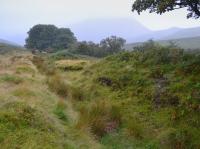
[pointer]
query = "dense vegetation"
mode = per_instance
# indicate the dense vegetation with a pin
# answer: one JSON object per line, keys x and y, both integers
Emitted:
{"x": 155, "y": 93}
{"x": 108, "y": 46}
{"x": 147, "y": 98}
{"x": 51, "y": 39}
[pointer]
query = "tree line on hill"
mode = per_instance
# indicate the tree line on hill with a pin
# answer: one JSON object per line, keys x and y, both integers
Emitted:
{"x": 49, "y": 38}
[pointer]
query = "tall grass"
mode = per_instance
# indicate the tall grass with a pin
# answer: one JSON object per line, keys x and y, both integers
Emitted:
{"x": 11, "y": 79}
{"x": 60, "y": 110}
{"x": 58, "y": 85}
{"x": 100, "y": 118}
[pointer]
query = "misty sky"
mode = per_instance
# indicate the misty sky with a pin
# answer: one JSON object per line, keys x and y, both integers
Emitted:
{"x": 17, "y": 16}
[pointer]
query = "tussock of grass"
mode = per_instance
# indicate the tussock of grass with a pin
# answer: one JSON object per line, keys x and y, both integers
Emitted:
{"x": 76, "y": 93}
{"x": 25, "y": 69}
{"x": 11, "y": 79}
{"x": 18, "y": 115}
{"x": 60, "y": 110}
{"x": 43, "y": 65}
{"x": 57, "y": 85}
{"x": 23, "y": 92}
{"x": 71, "y": 64}
{"x": 134, "y": 128}
{"x": 100, "y": 118}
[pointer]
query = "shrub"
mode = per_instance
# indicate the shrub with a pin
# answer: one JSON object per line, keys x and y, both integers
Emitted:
{"x": 58, "y": 85}
{"x": 65, "y": 54}
{"x": 156, "y": 73}
{"x": 176, "y": 139}
{"x": 166, "y": 98}
{"x": 190, "y": 64}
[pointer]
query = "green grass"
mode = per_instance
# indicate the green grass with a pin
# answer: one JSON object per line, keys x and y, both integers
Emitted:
{"x": 145, "y": 99}
{"x": 57, "y": 85}
{"x": 156, "y": 90}
{"x": 11, "y": 79}
{"x": 24, "y": 92}
{"x": 60, "y": 110}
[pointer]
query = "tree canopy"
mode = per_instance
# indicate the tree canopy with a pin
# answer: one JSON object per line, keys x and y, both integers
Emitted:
{"x": 106, "y": 47}
{"x": 113, "y": 44}
{"x": 43, "y": 37}
{"x": 162, "y": 6}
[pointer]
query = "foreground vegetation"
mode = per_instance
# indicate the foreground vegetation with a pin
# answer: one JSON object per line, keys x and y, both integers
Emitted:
{"x": 155, "y": 93}
{"x": 148, "y": 98}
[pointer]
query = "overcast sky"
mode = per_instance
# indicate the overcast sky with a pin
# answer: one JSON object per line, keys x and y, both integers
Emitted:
{"x": 17, "y": 16}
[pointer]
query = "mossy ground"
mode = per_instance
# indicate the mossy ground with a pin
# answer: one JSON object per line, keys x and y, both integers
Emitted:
{"x": 157, "y": 95}
{"x": 31, "y": 115}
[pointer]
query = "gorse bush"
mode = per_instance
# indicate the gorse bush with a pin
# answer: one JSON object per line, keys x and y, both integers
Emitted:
{"x": 154, "y": 53}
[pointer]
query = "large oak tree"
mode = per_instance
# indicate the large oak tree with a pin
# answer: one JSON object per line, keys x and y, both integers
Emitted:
{"x": 44, "y": 37}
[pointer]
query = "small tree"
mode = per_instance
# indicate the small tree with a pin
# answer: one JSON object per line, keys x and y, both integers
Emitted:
{"x": 162, "y": 6}
{"x": 113, "y": 44}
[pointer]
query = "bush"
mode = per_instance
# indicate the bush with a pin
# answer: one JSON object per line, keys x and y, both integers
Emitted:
{"x": 64, "y": 54}
{"x": 156, "y": 73}
{"x": 189, "y": 65}
{"x": 176, "y": 139}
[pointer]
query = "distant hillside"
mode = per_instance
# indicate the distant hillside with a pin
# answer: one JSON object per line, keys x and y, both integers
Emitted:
{"x": 6, "y": 48}
{"x": 8, "y": 42}
{"x": 185, "y": 43}
{"x": 97, "y": 29}
{"x": 168, "y": 34}
{"x": 184, "y": 33}
{"x": 155, "y": 35}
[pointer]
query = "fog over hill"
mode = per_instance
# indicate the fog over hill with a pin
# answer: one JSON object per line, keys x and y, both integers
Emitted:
{"x": 128, "y": 28}
{"x": 3, "y": 41}
{"x": 97, "y": 29}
